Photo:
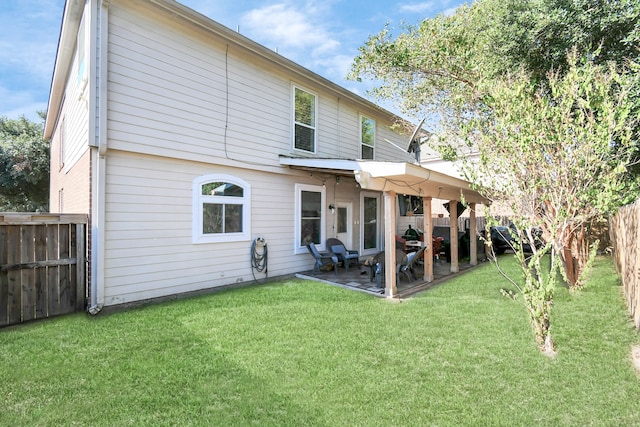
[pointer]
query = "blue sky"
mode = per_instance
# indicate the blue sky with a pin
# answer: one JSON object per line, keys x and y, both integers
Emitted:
{"x": 322, "y": 35}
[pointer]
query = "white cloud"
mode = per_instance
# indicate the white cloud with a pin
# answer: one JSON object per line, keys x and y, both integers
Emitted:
{"x": 431, "y": 8}
{"x": 423, "y": 7}
{"x": 26, "y": 57}
{"x": 288, "y": 28}
{"x": 450, "y": 11}
{"x": 336, "y": 66}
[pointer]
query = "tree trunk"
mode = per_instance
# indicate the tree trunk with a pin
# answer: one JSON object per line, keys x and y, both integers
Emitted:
{"x": 541, "y": 322}
{"x": 575, "y": 257}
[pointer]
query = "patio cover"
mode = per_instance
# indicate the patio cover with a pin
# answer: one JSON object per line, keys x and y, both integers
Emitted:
{"x": 391, "y": 178}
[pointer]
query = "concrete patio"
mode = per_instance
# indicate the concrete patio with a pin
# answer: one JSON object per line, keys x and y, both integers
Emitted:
{"x": 358, "y": 279}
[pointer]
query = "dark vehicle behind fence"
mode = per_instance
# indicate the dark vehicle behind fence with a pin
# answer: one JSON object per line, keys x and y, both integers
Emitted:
{"x": 505, "y": 238}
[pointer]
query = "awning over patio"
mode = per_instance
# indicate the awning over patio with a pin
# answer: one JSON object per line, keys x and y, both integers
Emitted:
{"x": 401, "y": 177}
{"x": 392, "y": 178}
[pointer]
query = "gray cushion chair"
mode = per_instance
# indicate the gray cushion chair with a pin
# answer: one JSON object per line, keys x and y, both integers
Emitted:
{"x": 377, "y": 266}
{"x": 412, "y": 259}
{"x": 322, "y": 258}
{"x": 344, "y": 255}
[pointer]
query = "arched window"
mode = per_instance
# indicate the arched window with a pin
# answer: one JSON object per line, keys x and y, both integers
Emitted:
{"x": 221, "y": 209}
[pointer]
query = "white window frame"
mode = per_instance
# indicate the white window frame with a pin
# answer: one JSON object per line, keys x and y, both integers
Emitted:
{"x": 294, "y": 123}
{"x": 198, "y": 199}
{"x": 362, "y": 144}
{"x": 299, "y": 188}
{"x": 379, "y": 226}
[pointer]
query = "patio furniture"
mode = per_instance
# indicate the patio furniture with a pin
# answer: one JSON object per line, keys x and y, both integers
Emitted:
{"x": 438, "y": 248}
{"x": 412, "y": 259}
{"x": 345, "y": 255}
{"x": 401, "y": 243}
{"x": 377, "y": 266}
{"x": 322, "y": 258}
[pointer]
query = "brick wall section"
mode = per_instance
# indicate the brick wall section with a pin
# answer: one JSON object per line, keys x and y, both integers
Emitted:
{"x": 74, "y": 183}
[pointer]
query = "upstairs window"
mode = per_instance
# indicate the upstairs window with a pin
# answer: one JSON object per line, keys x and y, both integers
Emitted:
{"x": 367, "y": 137}
{"x": 304, "y": 120}
{"x": 221, "y": 209}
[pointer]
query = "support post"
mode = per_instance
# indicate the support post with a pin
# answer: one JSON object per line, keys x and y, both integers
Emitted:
{"x": 473, "y": 240}
{"x": 453, "y": 235}
{"x": 390, "y": 289}
{"x": 428, "y": 240}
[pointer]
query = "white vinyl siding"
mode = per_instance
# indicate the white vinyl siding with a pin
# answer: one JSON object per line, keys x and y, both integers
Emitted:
{"x": 148, "y": 246}
{"x": 73, "y": 122}
{"x": 183, "y": 96}
{"x": 183, "y": 104}
{"x": 180, "y": 92}
{"x": 81, "y": 55}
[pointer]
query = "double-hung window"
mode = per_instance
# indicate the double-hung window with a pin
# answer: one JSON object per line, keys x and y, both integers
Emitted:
{"x": 221, "y": 209}
{"x": 309, "y": 216}
{"x": 304, "y": 120}
{"x": 367, "y": 137}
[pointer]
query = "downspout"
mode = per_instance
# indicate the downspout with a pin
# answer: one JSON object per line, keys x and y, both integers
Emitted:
{"x": 98, "y": 135}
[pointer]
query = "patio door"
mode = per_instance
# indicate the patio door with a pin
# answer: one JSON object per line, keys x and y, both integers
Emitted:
{"x": 370, "y": 223}
{"x": 344, "y": 223}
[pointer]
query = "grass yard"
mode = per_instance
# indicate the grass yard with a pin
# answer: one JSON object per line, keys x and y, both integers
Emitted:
{"x": 298, "y": 353}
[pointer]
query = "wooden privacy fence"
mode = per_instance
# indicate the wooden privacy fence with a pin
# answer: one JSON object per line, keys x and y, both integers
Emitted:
{"x": 42, "y": 265}
{"x": 624, "y": 229}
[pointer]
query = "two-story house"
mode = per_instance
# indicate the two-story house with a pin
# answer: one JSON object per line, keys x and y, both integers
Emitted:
{"x": 185, "y": 142}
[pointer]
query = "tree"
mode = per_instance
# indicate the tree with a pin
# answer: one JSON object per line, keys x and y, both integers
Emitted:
{"x": 24, "y": 166}
{"x": 435, "y": 66}
{"x": 558, "y": 160}
{"x": 445, "y": 65}
{"x": 547, "y": 92}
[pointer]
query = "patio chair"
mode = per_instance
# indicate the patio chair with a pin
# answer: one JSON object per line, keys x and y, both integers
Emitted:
{"x": 322, "y": 258}
{"x": 345, "y": 255}
{"x": 377, "y": 266}
{"x": 412, "y": 259}
{"x": 438, "y": 248}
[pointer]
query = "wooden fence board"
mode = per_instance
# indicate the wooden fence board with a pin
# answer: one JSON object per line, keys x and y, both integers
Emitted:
{"x": 41, "y": 272}
{"x": 53, "y": 302}
{"x": 65, "y": 280}
{"x": 4, "y": 277}
{"x": 42, "y": 266}
{"x": 27, "y": 276}
{"x": 14, "y": 303}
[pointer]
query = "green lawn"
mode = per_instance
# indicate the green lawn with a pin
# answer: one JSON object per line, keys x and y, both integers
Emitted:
{"x": 298, "y": 353}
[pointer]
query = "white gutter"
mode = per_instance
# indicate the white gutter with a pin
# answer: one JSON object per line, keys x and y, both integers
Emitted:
{"x": 98, "y": 142}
